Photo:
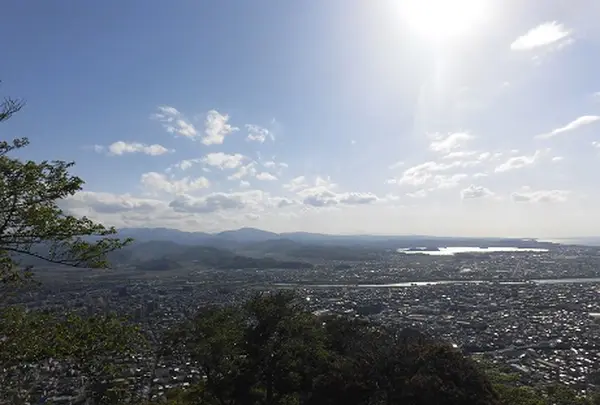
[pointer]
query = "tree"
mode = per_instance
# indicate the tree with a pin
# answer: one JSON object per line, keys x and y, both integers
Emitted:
{"x": 285, "y": 347}
{"x": 212, "y": 339}
{"x": 32, "y": 225}
{"x": 33, "y": 228}
{"x": 272, "y": 351}
{"x": 94, "y": 347}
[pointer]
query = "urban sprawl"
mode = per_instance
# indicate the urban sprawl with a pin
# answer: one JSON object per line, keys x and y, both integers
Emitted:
{"x": 538, "y": 312}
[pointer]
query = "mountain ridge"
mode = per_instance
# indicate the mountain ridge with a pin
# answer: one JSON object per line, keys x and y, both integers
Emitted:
{"x": 237, "y": 237}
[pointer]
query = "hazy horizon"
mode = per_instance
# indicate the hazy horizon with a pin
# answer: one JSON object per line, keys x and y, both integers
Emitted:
{"x": 426, "y": 117}
{"x": 399, "y": 234}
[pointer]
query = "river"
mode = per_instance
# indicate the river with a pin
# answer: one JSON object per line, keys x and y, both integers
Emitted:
{"x": 441, "y": 282}
{"x": 451, "y": 251}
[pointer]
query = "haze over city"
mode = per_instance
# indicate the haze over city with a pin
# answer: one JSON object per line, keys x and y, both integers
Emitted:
{"x": 480, "y": 119}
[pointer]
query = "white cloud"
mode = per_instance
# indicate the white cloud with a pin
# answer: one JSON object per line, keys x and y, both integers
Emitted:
{"x": 216, "y": 128}
{"x": 244, "y": 171}
{"x": 212, "y": 212}
{"x": 258, "y": 134}
{"x": 357, "y": 198}
{"x": 158, "y": 182}
{"x": 126, "y": 210}
{"x": 544, "y": 34}
{"x": 224, "y": 160}
{"x": 174, "y": 122}
{"x": 184, "y": 164}
{"x": 460, "y": 154}
{"x": 265, "y": 176}
{"x": 120, "y": 148}
{"x": 323, "y": 194}
{"x": 474, "y": 191}
{"x": 107, "y": 203}
{"x": 540, "y": 196}
{"x": 418, "y": 194}
{"x": 571, "y": 126}
{"x": 322, "y": 197}
{"x": 169, "y": 112}
{"x": 281, "y": 202}
{"x": 424, "y": 172}
{"x": 278, "y": 166}
{"x": 449, "y": 142}
{"x": 324, "y": 182}
{"x": 208, "y": 204}
{"x": 271, "y": 163}
{"x": 444, "y": 181}
{"x": 518, "y": 162}
{"x": 185, "y": 128}
{"x": 484, "y": 156}
{"x": 216, "y": 202}
{"x": 297, "y": 183}
{"x": 420, "y": 174}
{"x": 557, "y": 159}
{"x": 596, "y": 144}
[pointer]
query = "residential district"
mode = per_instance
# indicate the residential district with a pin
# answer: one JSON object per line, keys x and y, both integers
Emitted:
{"x": 537, "y": 312}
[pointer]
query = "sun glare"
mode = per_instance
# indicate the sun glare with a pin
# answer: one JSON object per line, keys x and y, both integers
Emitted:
{"x": 442, "y": 20}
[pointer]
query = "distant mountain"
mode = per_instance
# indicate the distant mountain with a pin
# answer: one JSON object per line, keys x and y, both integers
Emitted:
{"x": 243, "y": 235}
{"x": 287, "y": 248}
{"x": 163, "y": 248}
{"x": 166, "y": 255}
{"x": 241, "y": 238}
{"x": 173, "y": 235}
{"x": 583, "y": 241}
{"x": 247, "y": 235}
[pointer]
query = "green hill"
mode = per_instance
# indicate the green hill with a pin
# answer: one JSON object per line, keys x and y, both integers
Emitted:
{"x": 164, "y": 255}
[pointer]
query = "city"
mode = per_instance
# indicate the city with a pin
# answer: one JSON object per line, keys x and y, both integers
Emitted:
{"x": 260, "y": 202}
{"x": 536, "y": 312}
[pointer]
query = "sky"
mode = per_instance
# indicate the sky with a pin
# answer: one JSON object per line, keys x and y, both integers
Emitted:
{"x": 437, "y": 117}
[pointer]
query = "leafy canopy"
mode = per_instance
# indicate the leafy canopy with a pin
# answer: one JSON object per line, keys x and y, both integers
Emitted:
{"x": 272, "y": 351}
{"x": 94, "y": 347}
{"x": 32, "y": 225}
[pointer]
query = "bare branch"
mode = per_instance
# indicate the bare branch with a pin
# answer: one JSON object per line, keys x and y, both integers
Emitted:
{"x": 9, "y": 107}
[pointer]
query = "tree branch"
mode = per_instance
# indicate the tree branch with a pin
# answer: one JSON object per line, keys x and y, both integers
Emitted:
{"x": 9, "y": 107}
{"x": 37, "y": 256}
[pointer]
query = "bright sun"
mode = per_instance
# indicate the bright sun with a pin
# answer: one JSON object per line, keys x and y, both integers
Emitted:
{"x": 442, "y": 20}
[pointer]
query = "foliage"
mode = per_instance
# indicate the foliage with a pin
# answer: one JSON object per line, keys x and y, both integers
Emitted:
{"x": 33, "y": 227}
{"x": 92, "y": 346}
{"x": 31, "y": 221}
{"x": 271, "y": 351}
{"x": 512, "y": 391}
{"x": 156, "y": 256}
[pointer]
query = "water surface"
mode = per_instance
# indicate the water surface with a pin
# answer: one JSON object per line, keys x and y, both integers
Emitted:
{"x": 440, "y": 282}
{"x": 451, "y": 251}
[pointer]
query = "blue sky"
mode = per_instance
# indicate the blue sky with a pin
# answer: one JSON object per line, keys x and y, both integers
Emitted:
{"x": 444, "y": 117}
